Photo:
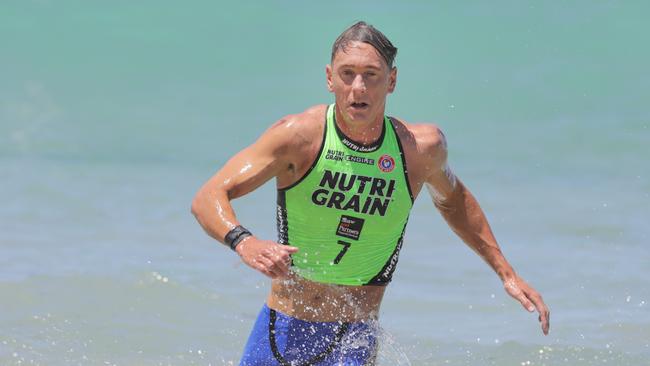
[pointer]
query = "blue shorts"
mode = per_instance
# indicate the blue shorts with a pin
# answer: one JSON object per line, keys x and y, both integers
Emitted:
{"x": 280, "y": 340}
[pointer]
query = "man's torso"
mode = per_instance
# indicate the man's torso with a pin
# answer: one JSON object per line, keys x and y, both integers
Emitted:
{"x": 310, "y": 300}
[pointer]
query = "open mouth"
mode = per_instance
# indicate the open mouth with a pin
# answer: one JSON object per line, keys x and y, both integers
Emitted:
{"x": 360, "y": 105}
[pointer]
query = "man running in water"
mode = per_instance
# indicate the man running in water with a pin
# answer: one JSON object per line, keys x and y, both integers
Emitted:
{"x": 347, "y": 176}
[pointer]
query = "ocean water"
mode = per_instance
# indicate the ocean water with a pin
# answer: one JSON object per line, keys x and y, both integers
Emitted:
{"x": 113, "y": 114}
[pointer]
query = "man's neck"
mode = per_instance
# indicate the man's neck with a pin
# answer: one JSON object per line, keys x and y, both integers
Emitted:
{"x": 364, "y": 132}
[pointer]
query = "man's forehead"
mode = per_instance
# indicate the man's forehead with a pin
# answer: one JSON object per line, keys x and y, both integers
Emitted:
{"x": 355, "y": 53}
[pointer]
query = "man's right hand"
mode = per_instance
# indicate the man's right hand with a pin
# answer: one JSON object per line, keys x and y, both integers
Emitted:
{"x": 268, "y": 257}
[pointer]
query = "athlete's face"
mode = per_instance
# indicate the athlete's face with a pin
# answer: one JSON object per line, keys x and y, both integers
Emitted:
{"x": 360, "y": 80}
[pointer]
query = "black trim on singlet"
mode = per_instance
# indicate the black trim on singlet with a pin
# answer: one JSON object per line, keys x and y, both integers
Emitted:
{"x": 383, "y": 277}
{"x": 281, "y": 218}
{"x": 318, "y": 358}
{"x": 357, "y": 146}
{"x": 401, "y": 154}
{"x": 313, "y": 164}
{"x": 282, "y": 221}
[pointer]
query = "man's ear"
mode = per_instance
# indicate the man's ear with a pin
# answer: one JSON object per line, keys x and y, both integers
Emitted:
{"x": 328, "y": 74}
{"x": 392, "y": 79}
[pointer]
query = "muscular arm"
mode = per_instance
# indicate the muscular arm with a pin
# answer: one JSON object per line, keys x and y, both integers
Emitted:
{"x": 466, "y": 218}
{"x": 243, "y": 173}
{"x": 268, "y": 157}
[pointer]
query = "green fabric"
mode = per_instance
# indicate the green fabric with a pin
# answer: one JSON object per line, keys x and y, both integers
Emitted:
{"x": 347, "y": 215}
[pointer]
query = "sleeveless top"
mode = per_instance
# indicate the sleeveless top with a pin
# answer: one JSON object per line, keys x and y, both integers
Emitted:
{"x": 348, "y": 213}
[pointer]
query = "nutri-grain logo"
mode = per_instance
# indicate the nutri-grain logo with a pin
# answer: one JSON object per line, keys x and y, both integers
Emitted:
{"x": 386, "y": 163}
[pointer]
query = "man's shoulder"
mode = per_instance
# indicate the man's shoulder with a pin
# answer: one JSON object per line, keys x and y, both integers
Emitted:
{"x": 427, "y": 138}
{"x": 296, "y": 132}
{"x": 308, "y": 119}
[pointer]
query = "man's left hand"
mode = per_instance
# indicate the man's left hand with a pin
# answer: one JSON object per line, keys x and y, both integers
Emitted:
{"x": 530, "y": 299}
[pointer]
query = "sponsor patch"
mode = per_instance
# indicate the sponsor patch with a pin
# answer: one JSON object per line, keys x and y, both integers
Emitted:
{"x": 386, "y": 163}
{"x": 337, "y": 155}
{"x": 360, "y": 160}
{"x": 350, "y": 227}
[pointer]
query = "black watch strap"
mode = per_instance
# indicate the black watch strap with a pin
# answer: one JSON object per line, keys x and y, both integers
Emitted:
{"x": 236, "y": 235}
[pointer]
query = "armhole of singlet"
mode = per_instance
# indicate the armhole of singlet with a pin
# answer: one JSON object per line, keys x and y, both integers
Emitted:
{"x": 403, "y": 157}
{"x": 313, "y": 164}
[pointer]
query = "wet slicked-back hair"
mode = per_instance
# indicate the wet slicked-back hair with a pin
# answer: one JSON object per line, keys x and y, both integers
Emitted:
{"x": 366, "y": 33}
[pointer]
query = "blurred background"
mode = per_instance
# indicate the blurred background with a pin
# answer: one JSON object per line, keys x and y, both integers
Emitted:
{"x": 113, "y": 114}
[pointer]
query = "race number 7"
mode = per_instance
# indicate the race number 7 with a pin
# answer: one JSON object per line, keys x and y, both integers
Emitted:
{"x": 346, "y": 246}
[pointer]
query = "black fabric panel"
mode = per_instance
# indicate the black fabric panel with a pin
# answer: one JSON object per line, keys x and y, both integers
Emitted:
{"x": 384, "y": 276}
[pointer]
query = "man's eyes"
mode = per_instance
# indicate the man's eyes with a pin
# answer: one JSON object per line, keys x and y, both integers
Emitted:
{"x": 365, "y": 74}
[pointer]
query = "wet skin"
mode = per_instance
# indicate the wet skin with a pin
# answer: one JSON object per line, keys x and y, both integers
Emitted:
{"x": 360, "y": 80}
{"x": 313, "y": 301}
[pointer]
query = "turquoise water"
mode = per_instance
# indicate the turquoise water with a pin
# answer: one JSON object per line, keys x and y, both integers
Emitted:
{"x": 112, "y": 114}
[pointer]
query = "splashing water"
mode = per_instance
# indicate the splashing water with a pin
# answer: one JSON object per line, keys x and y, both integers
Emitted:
{"x": 389, "y": 352}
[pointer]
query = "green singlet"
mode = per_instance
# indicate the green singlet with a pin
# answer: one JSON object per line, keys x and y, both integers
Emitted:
{"x": 348, "y": 213}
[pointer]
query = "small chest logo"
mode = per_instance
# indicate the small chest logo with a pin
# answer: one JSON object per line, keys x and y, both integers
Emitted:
{"x": 350, "y": 227}
{"x": 386, "y": 163}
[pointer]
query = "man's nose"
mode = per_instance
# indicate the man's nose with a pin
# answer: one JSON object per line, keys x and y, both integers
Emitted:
{"x": 358, "y": 84}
